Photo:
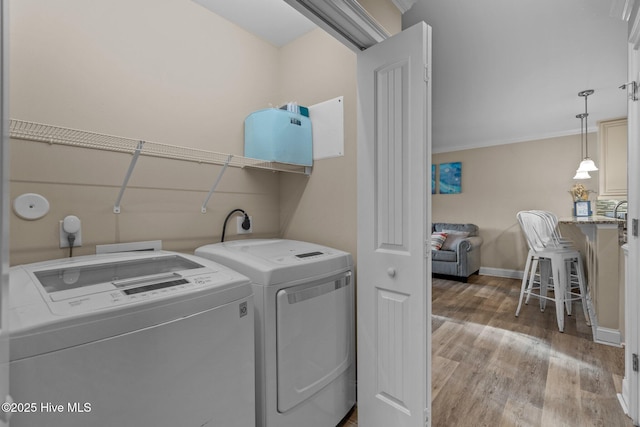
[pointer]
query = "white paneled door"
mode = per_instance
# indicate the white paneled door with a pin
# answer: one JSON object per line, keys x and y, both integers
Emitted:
{"x": 394, "y": 217}
{"x": 631, "y": 382}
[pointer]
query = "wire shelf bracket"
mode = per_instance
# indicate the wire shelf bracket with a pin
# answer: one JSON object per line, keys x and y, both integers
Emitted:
{"x": 132, "y": 165}
{"x": 203, "y": 209}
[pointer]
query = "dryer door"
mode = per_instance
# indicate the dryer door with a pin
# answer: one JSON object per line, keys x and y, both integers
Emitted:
{"x": 315, "y": 330}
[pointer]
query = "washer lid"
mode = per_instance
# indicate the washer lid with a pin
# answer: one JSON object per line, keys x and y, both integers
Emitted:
{"x": 274, "y": 261}
{"x": 62, "y": 303}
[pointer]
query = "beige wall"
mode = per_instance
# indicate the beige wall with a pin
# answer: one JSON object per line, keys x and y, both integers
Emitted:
{"x": 385, "y": 12}
{"x": 162, "y": 200}
{"x": 169, "y": 72}
{"x": 322, "y": 207}
{"x": 499, "y": 181}
{"x": 186, "y": 77}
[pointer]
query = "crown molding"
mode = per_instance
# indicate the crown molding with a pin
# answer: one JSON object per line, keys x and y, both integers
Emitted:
{"x": 404, "y": 5}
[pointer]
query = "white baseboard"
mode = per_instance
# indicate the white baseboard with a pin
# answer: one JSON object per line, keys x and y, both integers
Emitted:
{"x": 608, "y": 336}
{"x": 622, "y": 402}
{"x": 501, "y": 272}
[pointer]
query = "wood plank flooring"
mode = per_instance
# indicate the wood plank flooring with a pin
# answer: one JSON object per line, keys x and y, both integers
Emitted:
{"x": 492, "y": 369}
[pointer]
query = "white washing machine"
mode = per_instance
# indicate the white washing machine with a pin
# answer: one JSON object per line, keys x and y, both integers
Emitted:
{"x": 141, "y": 339}
{"x": 305, "y": 348}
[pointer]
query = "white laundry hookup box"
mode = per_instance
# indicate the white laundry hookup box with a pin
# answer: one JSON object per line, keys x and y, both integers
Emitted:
{"x": 278, "y": 136}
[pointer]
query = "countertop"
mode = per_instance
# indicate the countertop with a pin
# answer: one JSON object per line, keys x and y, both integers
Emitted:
{"x": 593, "y": 219}
{"x": 599, "y": 220}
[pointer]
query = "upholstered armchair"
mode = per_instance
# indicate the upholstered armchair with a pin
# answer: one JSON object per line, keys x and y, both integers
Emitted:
{"x": 455, "y": 250}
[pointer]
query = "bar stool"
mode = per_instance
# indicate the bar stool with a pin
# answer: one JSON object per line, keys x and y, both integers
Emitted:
{"x": 556, "y": 260}
{"x": 532, "y": 265}
{"x": 574, "y": 291}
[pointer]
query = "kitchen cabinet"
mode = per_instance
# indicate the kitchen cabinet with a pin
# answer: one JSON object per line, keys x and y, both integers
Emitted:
{"x": 612, "y": 141}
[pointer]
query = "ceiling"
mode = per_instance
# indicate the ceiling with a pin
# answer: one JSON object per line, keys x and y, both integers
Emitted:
{"x": 507, "y": 71}
{"x": 284, "y": 23}
{"x": 504, "y": 71}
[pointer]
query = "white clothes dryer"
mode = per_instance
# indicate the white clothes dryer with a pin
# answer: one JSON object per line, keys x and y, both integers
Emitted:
{"x": 143, "y": 339}
{"x": 305, "y": 348}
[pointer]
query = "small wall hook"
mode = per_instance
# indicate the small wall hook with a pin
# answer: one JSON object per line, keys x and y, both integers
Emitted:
{"x": 633, "y": 93}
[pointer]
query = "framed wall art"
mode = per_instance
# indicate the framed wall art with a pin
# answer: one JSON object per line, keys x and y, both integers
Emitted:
{"x": 451, "y": 178}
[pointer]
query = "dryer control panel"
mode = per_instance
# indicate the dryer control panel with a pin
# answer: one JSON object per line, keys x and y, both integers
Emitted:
{"x": 309, "y": 254}
{"x": 294, "y": 257}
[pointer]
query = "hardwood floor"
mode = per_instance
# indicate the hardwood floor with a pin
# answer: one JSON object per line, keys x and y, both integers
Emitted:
{"x": 492, "y": 369}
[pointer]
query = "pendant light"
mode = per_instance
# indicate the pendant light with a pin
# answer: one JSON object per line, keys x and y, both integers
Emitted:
{"x": 581, "y": 174}
{"x": 586, "y": 165}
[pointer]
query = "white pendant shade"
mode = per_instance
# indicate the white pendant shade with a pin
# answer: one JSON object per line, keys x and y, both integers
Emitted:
{"x": 587, "y": 165}
{"x": 582, "y": 175}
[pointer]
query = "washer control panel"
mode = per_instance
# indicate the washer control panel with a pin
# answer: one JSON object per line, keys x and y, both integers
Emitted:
{"x": 156, "y": 289}
{"x": 78, "y": 289}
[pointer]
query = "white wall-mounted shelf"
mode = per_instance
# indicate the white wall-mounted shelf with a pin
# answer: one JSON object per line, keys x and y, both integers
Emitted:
{"x": 20, "y": 129}
{"x": 31, "y": 131}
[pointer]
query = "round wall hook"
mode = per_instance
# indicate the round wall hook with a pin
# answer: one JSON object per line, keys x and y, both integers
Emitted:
{"x": 30, "y": 206}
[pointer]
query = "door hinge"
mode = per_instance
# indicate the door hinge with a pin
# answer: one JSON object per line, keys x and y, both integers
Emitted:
{"x": 633, "y": 93}
{"x": 427, "y": 422}
{"x": 426, "y": 73}
{"x": 634, "y": 227}
{"x": 634, "y": 363}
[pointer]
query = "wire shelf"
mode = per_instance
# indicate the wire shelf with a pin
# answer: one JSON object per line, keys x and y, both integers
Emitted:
{"x": 20, "y": 129}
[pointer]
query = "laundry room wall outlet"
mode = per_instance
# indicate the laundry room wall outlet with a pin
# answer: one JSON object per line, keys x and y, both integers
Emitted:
{"x": 70, "y": 225}
{"x": 239, "y": 222}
